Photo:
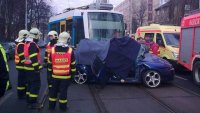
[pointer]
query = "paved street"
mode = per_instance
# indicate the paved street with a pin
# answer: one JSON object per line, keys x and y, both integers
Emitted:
{"x": 181, "y": 96}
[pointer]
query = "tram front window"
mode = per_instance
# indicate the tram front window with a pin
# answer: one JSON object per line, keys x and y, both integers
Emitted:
{"x": 102, "y": 25}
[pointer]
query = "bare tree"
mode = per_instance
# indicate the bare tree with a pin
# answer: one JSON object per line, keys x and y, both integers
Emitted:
{"x": 12, "y": 16}
{"x": 141, "y": 12}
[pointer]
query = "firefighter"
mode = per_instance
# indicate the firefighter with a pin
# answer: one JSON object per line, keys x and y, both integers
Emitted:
{"x": 53, "y": 35}
{"x": 63, "y": 67}
{"x": 19, "y": 62}
{"x": 32, "y": 67}
{"x": 4, "y": 72}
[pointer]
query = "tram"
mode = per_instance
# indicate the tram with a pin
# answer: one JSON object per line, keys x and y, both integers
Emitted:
{"x": 87, "y": 22}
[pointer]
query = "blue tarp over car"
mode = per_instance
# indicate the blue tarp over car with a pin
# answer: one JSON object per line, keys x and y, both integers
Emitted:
{"x": 122, "y": 55}
{"x": 118, "y": 54}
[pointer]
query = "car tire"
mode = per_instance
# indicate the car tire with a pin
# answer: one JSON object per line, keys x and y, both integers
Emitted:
{"x": 151, "y": 78}
{"x": 196, "y": 73}
{"x": 80, "y": 77}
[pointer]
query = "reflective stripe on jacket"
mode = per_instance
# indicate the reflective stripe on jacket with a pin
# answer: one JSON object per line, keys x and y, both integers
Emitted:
{"x": 4, "y": 57}
{"x": 48, "y": 51}
{"x": 61, "y": 62}
{"x": 19, "y": 62}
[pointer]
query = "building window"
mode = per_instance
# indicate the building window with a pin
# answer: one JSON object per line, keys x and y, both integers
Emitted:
{"x": 187, "y": 7}
{"x": 150, "y": 1}
{"x": 158, "y": 12}
{"x": 150, "y": 17}
{"x": 150, "y": 7}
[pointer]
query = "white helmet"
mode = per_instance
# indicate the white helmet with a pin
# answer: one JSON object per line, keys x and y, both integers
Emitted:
{"x": 22, "y": 35}
{"x": 35, "y": 33}
{"x": 63, "y": 37}
{"x": 53, "y": 33}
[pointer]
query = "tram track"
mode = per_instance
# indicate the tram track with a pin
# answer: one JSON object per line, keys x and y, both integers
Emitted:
{"x": 168, "y": 107}
{"x": 98, "y": 101}
{"x": 186, "y": 90}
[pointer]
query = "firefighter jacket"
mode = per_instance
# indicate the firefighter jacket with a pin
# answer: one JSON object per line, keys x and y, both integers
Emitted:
{"x": 19, "y": 56}
{"x": 4, "y": 70}
{"x": 32, "y": 56}
{"x": 63, "y": 62}
{"x": 48, "y": 52}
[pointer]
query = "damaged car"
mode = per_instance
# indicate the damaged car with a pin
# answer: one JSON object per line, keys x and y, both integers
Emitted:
{"x": 121, "y": 60}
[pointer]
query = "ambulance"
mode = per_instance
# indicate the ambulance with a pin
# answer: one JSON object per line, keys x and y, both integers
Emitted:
{"x": 167, "y": 37}
{"x": 189, "y": 55}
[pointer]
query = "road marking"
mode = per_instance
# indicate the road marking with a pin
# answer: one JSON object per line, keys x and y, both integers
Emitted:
{"x": 181, "y": 78}
{"x": 5, "y": 97}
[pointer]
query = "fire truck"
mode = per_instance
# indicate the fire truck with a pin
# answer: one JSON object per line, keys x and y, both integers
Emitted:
{"x": 189, "y": 44}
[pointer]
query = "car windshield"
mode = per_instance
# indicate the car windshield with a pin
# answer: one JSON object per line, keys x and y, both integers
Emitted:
{"x": 172, "y": 39}
{"x": 102, "y": 25}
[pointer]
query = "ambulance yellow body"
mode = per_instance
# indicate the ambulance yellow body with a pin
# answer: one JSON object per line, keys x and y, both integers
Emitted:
{"x": 167, "y": 37}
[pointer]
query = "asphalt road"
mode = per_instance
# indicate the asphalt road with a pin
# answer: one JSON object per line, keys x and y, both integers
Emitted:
{"x": 181, "y": 96}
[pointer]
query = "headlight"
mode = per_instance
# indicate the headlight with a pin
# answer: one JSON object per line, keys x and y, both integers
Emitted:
{"x": 175, "y": 55}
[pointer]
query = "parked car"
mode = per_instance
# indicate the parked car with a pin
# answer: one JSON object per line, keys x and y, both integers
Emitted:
{"x": 147, "y": 68}
{"x": 10, "y": 50}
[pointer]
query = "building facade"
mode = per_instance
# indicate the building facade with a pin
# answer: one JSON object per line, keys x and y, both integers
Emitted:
{"x": 172, "y": 11}
{"x": 137, "y": 13}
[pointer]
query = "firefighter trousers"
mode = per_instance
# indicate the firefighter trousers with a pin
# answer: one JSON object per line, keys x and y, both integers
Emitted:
{"x": 33, "y": 86}
{"x": 61, "y": 86}
{"x": 21, "y": 87}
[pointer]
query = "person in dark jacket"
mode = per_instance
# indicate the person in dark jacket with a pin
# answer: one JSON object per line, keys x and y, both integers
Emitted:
{"x": 19, "y": 63}
{"x": 4, "y": 72}
{"x": 63, "y": 67}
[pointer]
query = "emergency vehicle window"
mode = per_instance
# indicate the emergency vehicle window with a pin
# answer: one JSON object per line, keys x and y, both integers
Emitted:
{"x": 150, "y": 35}
{"x": 159, "y": 39}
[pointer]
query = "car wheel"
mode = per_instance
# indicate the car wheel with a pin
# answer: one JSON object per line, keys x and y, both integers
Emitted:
{"x": 196, "y": 73}
{"x": 151, "y": 79}
{"x": 80, "y": 78}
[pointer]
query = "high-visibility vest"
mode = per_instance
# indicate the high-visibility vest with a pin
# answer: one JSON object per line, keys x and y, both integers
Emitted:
{"x": 4, "y": 57}
{"x": 17, "y": 60}
{"x": 26, "y": 53}
{"x": 61, "y": 63}
{"x": 48, "y": 49}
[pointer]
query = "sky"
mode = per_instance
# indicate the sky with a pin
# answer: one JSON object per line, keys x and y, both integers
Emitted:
{"x": 60, "y": 5}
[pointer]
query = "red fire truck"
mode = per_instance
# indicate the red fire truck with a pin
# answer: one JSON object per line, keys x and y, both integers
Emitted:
{"x": 189, "y": 44}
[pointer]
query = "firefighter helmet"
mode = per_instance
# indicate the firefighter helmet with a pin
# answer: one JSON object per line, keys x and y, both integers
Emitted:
{"x": 63, "y": 37}
{"x": 53, "y": 33}
{"x": 35, "y": 33}
{"x": 22, "y": 35}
